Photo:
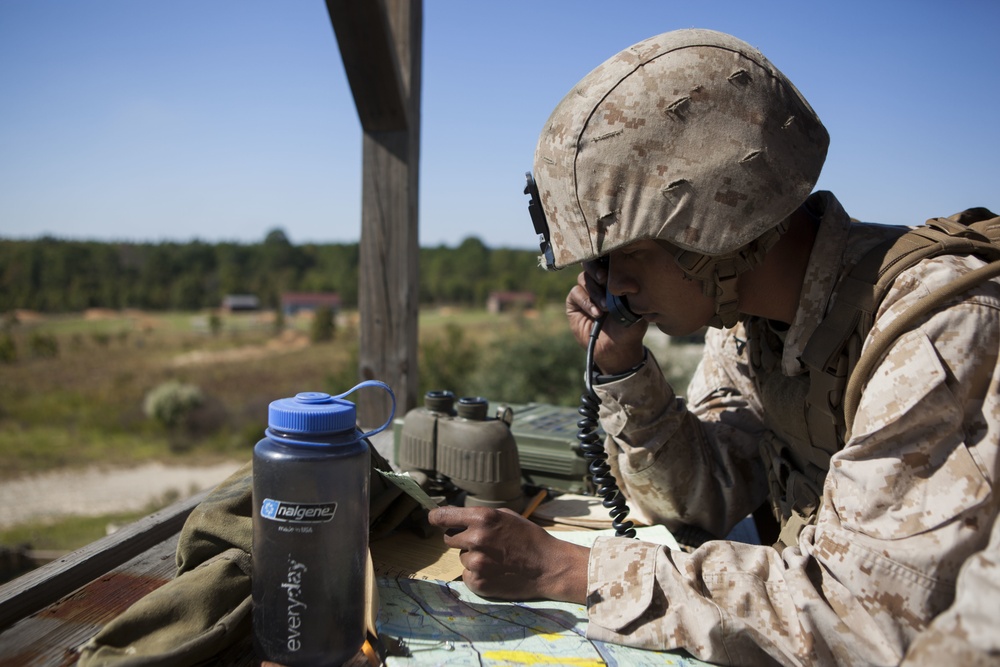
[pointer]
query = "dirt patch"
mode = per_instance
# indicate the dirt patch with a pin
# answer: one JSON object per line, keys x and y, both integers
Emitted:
{"x": 98, "y": 491}
{"x": 28, "y": 316}
{"x": 288, "y": 341}
{"x": 101, "y": 490}
{"x": 101, "y": 314}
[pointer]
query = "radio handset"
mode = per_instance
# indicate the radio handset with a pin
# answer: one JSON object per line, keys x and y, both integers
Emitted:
{"x": 619, "y": 311}
{"x": 590, "y": 442}
{"x": 593, "y": 449}
{"x": 617, "y": 305}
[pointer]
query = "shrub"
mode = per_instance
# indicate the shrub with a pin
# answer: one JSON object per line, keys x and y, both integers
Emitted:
{"x": 343, "y": 376}
{"x": 8, "y": 349}
{"x": 44, "y": 346}
{"x": 172, "y": 402}
{"x": 322, "y": 325}
{"x": 533, "y": 366}
{"x": 448, "y": 361}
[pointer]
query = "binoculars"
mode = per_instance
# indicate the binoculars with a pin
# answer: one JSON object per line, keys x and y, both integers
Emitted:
{"x": 454, "y": 447}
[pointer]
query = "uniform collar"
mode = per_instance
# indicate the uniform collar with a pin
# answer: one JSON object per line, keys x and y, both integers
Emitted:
{"x": 825, "y": 262}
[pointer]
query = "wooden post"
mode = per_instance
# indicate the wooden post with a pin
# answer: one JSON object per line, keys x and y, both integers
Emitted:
{"x": 380, "y": 43}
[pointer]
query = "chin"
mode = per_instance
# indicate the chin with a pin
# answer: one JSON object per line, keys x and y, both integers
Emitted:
{"x": 667, "y": 329}
{"x": 676, "y": 330}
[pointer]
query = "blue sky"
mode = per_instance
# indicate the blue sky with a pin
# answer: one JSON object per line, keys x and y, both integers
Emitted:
{"x": 223, "y": 119}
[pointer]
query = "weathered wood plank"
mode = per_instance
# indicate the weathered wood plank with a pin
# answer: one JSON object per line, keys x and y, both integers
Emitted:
{"x": 367, "y": 49}
{"x": 52, "y": 635}
{"x": 38, "y": 589}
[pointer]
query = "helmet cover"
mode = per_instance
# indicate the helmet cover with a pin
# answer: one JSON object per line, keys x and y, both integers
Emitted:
{"x": 692, "y": 137}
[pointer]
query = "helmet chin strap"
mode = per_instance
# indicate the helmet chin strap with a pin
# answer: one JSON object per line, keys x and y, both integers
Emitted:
{"x": 720, "y": 274}
{"x": 723, "y": 288}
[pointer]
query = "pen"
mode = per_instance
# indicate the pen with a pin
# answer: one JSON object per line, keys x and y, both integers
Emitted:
{"x": 535, "y": 502}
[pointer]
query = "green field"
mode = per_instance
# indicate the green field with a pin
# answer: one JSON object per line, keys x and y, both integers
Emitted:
{"x": 83, "y": 403}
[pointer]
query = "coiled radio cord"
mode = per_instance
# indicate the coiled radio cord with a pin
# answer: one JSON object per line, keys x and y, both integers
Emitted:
{"x": 593, "y": 448}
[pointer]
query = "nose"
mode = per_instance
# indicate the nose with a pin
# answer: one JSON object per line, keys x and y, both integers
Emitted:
{"x": 620, "y": 283}
{"x": 619, "y": 286}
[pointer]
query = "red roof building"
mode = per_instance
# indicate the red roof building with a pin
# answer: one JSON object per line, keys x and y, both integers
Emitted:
{"x": 297, "y": 302}
{"x": 499, "y": 302}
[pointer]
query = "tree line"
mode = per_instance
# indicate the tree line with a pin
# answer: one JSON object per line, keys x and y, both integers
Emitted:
{"x": 57, "y": 275}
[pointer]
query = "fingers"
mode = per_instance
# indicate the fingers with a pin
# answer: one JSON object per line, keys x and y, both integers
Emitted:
{"x": 461, "y": 518}
{"x": 449, "y": 517}
{"x": 506, "y": 556}
{"x": 594, "y": 280}
{"x": 464, "y": 526}
{"x": 475, "y": 528}
{"x": 598, "y": 270}
{"x": 485, "y": 536}
{"x": 585, "y": 299}
{"x": 453, "y": 521}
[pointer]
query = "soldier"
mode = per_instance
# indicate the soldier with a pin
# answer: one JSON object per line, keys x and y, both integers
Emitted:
{"x": 680, "y": 174}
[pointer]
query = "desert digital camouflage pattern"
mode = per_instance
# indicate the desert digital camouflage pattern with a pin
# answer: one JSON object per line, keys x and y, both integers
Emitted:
{"x": 965, "y": 634}
{"x": 906, "y": 503}
{"x": 625, "y": 155}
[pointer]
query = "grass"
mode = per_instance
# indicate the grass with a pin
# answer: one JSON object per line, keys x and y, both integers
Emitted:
{"x": 64, "y": 535}
{"x": 85, "y": 404}
{"x": 68, "y": 534}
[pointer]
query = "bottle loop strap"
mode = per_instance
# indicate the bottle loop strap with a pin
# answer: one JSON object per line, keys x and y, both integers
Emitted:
{"x": 392, "y": 397}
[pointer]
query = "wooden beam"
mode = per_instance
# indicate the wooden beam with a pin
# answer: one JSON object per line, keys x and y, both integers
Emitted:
{"x": 381, "y": 43}
{"x": 389, "y": 248}
{"x": 368, "y": 49}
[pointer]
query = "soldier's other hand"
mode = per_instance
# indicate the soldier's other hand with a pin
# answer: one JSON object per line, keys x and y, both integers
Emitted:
{"x": 508, "y": 557}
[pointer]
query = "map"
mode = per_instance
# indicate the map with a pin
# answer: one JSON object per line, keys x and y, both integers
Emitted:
{"x": 427, "y": 616}
{"x": 427, "y": 622}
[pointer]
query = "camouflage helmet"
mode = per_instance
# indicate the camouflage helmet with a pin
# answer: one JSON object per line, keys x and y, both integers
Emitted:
{"x": 691, "y": 137}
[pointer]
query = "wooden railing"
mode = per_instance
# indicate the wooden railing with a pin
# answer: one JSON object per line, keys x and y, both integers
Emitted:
{"x": 46, "y": 614}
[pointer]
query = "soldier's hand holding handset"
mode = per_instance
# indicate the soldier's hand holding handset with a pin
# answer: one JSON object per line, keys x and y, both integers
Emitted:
{"x": 619, "y": 348}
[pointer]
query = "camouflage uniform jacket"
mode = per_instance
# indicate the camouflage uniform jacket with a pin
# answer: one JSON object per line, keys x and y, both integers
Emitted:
{"x": 961, "y": 635}
{"x": 905, "y": 503}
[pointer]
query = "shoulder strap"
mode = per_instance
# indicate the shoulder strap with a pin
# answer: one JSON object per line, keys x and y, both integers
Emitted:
{"x": 832, "y": 354}
{"x": 883, "y": 340}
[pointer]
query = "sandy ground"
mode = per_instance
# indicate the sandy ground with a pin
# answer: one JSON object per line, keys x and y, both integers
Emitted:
{"x": 98, "y": 491}
{"x": 103, "y": 490}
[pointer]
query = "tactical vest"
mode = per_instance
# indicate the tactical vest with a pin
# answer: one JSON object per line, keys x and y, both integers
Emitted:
{"x": 797, "y": 449}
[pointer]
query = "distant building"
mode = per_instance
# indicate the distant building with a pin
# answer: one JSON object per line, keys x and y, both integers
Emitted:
{"x": 293, "y": 303}
{"x": 499, "y": 302}
{"x": 233, "y": 303}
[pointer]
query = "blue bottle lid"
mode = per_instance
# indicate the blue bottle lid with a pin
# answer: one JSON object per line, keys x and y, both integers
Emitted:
{"x": 311, "y": 412}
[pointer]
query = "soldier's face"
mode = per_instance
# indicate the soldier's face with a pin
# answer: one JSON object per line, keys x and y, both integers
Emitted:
{"x": 647, "y": 273}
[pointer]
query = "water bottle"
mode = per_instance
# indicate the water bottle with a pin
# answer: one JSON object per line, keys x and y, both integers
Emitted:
{"x": 310, "y": 531}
